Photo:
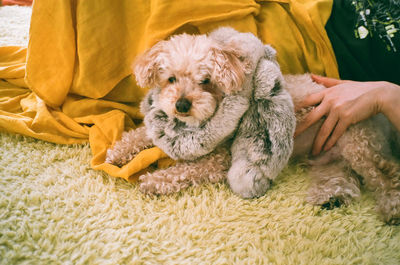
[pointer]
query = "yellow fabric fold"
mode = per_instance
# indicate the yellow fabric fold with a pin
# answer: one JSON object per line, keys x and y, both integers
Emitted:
{"x": 73, "y": 83}
{"x": 12, "y": 62}
{"x": 296, "y": 30}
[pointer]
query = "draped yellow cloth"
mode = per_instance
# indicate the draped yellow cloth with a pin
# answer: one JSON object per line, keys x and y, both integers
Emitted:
{"x": 73, "y": 83}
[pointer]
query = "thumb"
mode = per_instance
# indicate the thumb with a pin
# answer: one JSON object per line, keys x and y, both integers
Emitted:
{"x": 326, "y": 81}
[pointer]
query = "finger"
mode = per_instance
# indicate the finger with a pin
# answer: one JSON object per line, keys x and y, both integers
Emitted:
{"x": 314, "y": 116}
{"x": 324, "y": 132}
{"x": 311, "y": 100}
{"x": 326, "y": 81}
{"x": 340, "y": 128}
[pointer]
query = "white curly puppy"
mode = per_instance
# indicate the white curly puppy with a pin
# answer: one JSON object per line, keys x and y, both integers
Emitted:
{"x": 227, "y": 86}
{"x": 208, "y": 89}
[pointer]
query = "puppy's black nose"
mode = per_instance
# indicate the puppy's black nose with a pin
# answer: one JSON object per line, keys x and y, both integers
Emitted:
{"x": 183, "y": 105}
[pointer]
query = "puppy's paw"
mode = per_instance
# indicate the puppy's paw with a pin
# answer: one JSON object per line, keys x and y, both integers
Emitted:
{"x": 130, "y": 144}
{"x": 156, "y": 185}
{"x": 333, "y": 202}
{"x": 111, "y": 157}
{"x": 328, "y": 201}
{"x": 116, "y": 157}
{"x": 332, "y": 187}
{"x": 388, "y": 205}
{"x": 247, "y": 180}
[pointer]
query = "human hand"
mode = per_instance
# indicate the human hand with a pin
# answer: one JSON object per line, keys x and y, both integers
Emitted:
{"x": 343, "y": 103}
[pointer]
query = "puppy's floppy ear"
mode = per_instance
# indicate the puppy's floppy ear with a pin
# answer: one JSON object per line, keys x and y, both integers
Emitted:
{"x": 146, "y": 66}
{"x": 229, "y": 69}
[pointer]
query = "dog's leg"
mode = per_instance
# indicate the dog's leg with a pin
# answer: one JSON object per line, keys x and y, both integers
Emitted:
{"x": 368, "y": 156}
{"x": 130, "y": 144}
{"x": 388, "y": 205}
{"x": 333, "y": 184}
{"x": 210, "y": 168}
{"x": 386, "y": 186}
{"x": 388, "y": 193}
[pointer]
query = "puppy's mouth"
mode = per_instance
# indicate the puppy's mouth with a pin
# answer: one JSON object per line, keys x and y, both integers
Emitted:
{"x": 180, "y": 114}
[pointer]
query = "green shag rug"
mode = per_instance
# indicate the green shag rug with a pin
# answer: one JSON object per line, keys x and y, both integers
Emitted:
{"x": 54, "y": 209}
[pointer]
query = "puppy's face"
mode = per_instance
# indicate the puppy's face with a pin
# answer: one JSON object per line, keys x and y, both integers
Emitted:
{"x": 193, "y": 72}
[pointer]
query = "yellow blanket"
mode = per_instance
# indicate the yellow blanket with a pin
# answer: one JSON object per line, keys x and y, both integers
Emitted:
{"x": 74, "y": 84}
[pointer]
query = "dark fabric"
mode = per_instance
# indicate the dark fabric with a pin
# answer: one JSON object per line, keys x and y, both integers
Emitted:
{"x": 365, "y": 36}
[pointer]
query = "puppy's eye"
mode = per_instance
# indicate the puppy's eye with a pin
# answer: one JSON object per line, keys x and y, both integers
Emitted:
{"x": 172, "y": 79}
{"x": 205, "y": 81}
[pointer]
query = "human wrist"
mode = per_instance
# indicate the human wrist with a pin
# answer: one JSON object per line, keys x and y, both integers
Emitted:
{"x": 390, "y": 99}
{"x": 390, "y": 103}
